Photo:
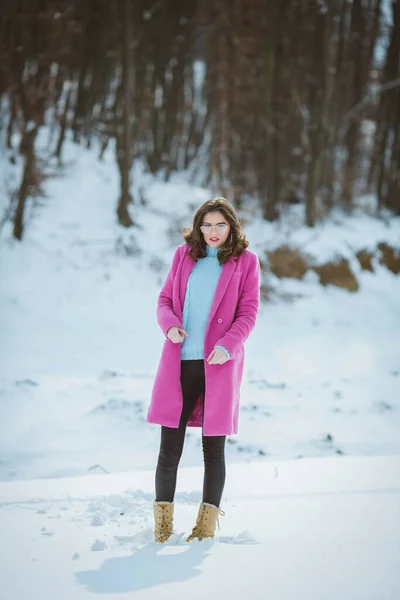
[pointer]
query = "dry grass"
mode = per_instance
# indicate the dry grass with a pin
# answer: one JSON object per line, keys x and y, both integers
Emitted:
{"x": 337, "y": 273}
{"x": 287, "y": 262}
{"x": 390, "y": 257}
{"x": 365, "y": 260}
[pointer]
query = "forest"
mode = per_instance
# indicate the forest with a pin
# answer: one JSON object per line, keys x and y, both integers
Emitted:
{"x": 289, "y": 102}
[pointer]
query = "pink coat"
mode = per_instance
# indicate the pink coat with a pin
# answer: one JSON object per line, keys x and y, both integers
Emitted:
{"x": 232, "y": 318}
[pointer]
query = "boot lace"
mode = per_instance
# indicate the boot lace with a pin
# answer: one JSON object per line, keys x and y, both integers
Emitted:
{"x": 199, "y": 530}
{"x": 164, "y": 529}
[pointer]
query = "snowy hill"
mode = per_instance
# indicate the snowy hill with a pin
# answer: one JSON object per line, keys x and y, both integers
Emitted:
{"x": 79, "y": 350}
{"x": 325, "y": 528}
{"x": 80, "y": 343}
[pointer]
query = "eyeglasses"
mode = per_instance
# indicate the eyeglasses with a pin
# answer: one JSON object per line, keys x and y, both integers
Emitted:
{"x": 221, "y": 227}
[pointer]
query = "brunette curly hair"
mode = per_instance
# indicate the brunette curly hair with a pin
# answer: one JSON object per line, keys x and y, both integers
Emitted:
{"x": 236, "y": 242}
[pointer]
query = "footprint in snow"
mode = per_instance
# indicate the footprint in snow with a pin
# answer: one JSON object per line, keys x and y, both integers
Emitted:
{"x": 98, "y": 546}
{"x": 244, "y": 538}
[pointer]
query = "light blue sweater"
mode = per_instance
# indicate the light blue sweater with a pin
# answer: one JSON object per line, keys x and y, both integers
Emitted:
{"x": 199, "y": 295}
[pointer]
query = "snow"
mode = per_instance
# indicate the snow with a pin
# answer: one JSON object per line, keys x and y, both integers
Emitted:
{"x": 315, "y": 528}
{"x": 311, "y": 499}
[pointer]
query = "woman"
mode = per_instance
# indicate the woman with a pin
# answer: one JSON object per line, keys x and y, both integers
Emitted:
{"x": 206, "y": 309}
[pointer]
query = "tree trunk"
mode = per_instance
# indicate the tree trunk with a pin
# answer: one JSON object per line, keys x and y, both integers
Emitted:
{"x": 63, "y": 123}
{"x": 268, "y": 172}
{"x": 28, "y": 148}
{"x": 124, "y": 149}
{"x": 11, "y": 122}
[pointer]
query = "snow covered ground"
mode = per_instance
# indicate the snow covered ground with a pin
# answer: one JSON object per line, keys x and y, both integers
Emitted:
{"x": 325, "y": 528}
{"x": 79, "y": 346}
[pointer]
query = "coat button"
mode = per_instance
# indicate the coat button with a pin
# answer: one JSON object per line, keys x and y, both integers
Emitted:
{"x": 219, "y": 320}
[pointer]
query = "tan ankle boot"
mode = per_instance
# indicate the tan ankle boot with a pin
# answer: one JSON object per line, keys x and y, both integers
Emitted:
{"x": 206, "y": 522}
{"x": 163, "y": 520}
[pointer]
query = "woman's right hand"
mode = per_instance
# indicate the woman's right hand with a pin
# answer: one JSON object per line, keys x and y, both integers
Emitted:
{"x": 176, "y": 334}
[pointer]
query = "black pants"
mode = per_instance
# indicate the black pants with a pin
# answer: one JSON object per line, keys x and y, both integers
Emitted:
{"x": 193, "y": 384}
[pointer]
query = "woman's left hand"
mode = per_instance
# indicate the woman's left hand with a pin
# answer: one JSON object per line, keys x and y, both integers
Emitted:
{"x": 217, "y": 357}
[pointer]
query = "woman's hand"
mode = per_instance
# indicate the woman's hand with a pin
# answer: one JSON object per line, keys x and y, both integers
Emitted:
{"x": 176, "y": 334}
{"x": 217, "y": 357}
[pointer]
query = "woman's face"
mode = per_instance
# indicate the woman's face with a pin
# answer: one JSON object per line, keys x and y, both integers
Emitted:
{"x": 218, "y": 234}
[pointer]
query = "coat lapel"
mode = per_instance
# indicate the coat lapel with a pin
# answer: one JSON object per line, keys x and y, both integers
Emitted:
{"x": 223, "y": 282}
{"x": 186, "y": 269}
{"x": 227, "y": 271}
